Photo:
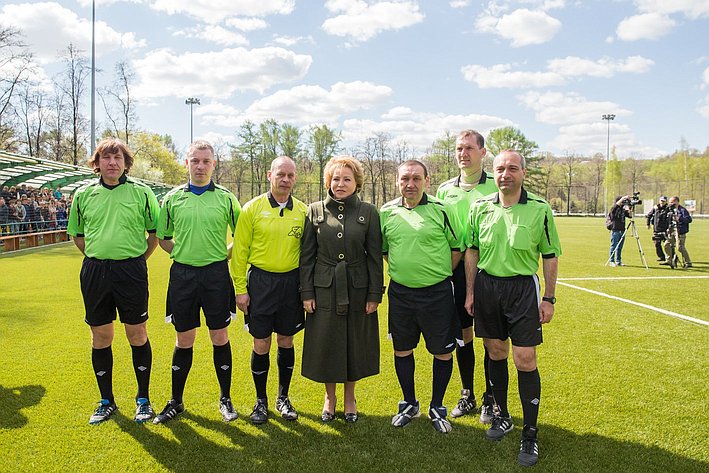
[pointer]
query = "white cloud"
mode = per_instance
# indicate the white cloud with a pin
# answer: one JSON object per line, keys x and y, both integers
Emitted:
{"x": 102, "y": 3}
{"x": 163, "y": 73}
{"x": 361, "y": 21}
{"x": 49, "y": 27}
{"x": 564, "y": 109}
{"x": 522, "y": 27}
{"x": 604, "y": 67}
{"x": 289, "y": 41}
{"x": 703, "y": 107}
{"x": 645, "y": 26}
{"x": 459, "y": 3}
{"x": 214, "y": 11}
{"x": 692, "y": 9}
{"x": 247, "y": 24}
{"x": 418, "y": 129}
{"x": 558, "y": 72}
{"x": 590, "y": 138}
{"x": 502, "y": 76}
{"x": 214, "y": 34}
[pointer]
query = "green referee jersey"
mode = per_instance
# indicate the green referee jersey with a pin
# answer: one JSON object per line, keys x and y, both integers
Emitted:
{"x": 510, "y": 240}
{"x": 267, "y": 237}
{"x": 461, "y": 200}
{"x": 418, "y": 241}
{"x": 198, "y": 223}
{"x": 113, "y": 220}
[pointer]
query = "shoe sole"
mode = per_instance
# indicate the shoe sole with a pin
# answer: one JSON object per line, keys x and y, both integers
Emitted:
{"x": 258, "y": 421}
{"x": 96, "y": 422}
{"x": 496, "y": 439}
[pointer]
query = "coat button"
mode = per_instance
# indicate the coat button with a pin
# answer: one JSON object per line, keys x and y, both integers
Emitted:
{"x": 361, "y": 218}
{"x": 340, "y": 217}
{"x": 339, "y": 235}
{"x": 341, "y": 208}
{"x": 341, "y": 256}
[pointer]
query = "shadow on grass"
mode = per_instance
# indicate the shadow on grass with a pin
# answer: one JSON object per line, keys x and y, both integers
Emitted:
{"x": 372, "y": 444}
{"x": 13, "y": 400}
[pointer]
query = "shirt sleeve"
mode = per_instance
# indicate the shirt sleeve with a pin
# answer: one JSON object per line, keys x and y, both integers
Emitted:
{"x": 473, "y": 237}
{"x": 152, "y": 210}
{"x": 452, "y": 228}
{"x": 75, "y": 227}
{"x": 165, "y": 228}
{"x": 242, "y": 248}
{"x": 549, "y": 246}
{"x": 383, "y": 215}
{"x": 234, "y": 212}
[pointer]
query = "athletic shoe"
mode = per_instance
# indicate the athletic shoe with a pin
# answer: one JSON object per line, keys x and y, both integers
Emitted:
{"x": 488, "y": 410}
{"x": 406, "y": 413}
{"x": 172, "y": 410}
{"x": 438, "y": 418}
{"x": 104, "y": 410}
{"x": 260, "y": 413}
{"x": 227, "y": 409}
{"x": 687, "y": 265}
{"x": 466, "y": 405}
{"x": 664, "y": 263}
{"x": 286, "y": 409}
{"x": 528, "y": 448}
{"x": 620, "y": 264}
{"x": 660, "y": 259}
{"x": 611, "y": 264}
{"x": 500, "y": 426}
{"x": 143, "y": 410}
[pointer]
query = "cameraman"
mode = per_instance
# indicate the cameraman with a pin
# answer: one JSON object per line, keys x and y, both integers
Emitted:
{"x": 659, "y": 217}
{"x": 617, "y": 215}
{"x": 682, "y": 219}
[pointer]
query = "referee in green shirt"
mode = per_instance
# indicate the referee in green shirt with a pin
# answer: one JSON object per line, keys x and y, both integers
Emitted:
{"x": 268, "y": 238}
{"x": 192, "y": 228}
{"x": 509, "y": 231}
{"x": 421, "y": 246}
{"x": 460, "y": 192}
{"x": 108, "y": 220}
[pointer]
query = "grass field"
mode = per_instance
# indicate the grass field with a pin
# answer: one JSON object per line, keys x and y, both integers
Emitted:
{"x": 624, "y": 388}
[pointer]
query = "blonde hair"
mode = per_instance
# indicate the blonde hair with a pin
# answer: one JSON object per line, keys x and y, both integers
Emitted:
{"x": 344, "y": 161}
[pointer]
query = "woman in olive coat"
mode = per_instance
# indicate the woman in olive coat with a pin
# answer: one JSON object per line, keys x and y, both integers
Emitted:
{"x": 341, "y": 279}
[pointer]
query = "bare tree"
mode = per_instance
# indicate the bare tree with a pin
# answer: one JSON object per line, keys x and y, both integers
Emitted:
{"x": 118, "y": 96}
{"x": 33, "y": 113}
{"x": 72, "y": 83}
{"x": 367, "y": 154}
{"x": 15, "y": 66}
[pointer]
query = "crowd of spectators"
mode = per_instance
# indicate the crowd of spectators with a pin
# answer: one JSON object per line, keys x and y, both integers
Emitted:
{"x": 24, "y": 209}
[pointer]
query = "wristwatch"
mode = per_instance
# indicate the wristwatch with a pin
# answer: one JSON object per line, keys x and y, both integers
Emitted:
{"x": 551, "y": 300}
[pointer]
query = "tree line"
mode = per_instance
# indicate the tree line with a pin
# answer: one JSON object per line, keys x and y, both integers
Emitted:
{"x": 49, "y": 121}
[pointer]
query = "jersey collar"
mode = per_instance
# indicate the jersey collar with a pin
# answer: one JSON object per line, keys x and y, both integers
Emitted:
{"x": 274, "y": 203}
{"x": 483, "y": 179}
{"x": 423, "y": 201}
{"x": 522, "y": 197}
{"x": 121, "y": 180}
{"x": 211, "y": 187}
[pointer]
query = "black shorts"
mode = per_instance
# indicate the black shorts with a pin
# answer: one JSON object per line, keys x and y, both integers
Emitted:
{"x": 426, "y": 310}
{"x": 275, "y": 304}
{"x": 110, "y": 285}
{"x": 459, "y": 291}
{"x": 192, "y": 288}
{"x": 508, "y": 308}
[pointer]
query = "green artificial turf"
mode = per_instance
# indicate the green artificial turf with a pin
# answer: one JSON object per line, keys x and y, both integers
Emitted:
{"x": 624, "y": 388}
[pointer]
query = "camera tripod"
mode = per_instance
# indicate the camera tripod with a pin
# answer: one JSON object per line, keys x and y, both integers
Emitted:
{"x": 634, "y": 232}
{"x": 674, "y": 257}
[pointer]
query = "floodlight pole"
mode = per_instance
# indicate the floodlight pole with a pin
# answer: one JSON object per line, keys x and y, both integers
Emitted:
{"x": 93, "y": 77}
{"x": 608, "y": 119}
{"x": 192, "y": 101}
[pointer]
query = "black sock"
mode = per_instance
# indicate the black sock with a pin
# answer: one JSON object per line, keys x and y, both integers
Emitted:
{"x": 486, "y": 364}
{"x": 404, "y": 366}
{"x": 442, "y": 371}
{"x": 530, "y": 391}
{"x": 142, "y": 363}
{"x": 465, "y": 356}
{"x": 500, "y": 378}
{"x": 285, "y": 361}
{"x": 222, "y": 365}
{"x": 181, "y": 364}
{"x": 259, "y": 370}
{"x": 102, "y": 361}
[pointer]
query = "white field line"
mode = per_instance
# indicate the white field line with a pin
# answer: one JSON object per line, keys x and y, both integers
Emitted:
{"x": 639, "y": 304}
{"x": 632, "y": 277}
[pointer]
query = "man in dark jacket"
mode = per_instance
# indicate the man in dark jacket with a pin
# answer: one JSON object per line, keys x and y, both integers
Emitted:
{"x": 682, "y": 220}
{"x": 4, "y": 216}
{"x": 659, "y": 218}
{"x": 618, "y": 213}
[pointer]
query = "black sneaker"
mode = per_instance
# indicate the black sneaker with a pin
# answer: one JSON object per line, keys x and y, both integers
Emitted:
{"x": 529, "y": 447}
{"x": 227, "y": 409}
{"x": 143, "y": 410}
{"x": 104, "y": 410}
{"x": 406, "y": 413}
{"x": 500, "y": 426}
{"x": 172, "y": 410}
{"x": 260, "y": 413}
{"x": 466, "y": 404}
{"x": 286, "y": 409}
{"x": 438, "y": 418}
{"x": 687, "y": 265}
{"x": 488, "y": 410}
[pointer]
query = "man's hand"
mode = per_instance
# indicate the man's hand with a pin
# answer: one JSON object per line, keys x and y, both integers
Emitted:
{"x": 546, "y": 312}
{"x": 469, "y": 304}
{"x": 309, "y": 305}
{"x": 371, "y": 307}
{"x": 242, "y": 302}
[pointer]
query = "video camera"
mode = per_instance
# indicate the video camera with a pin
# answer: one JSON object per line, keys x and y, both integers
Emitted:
{"x": 633, "y": 201}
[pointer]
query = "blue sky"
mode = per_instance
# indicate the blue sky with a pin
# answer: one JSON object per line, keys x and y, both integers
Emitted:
{"x": 413, "y": 69}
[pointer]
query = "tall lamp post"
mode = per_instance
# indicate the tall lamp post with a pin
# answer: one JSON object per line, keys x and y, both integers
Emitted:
{"x": 607, "y": 118}
{"x": 93, "y": 77}
{"x": 191, "y": 101}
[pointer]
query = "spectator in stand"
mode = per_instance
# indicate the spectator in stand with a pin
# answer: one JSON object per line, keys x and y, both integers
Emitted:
{"x": 4, "y": 216}
{"x": 7, "y": 195}
{"x": 20, "y": 215}
{"x": 43, "y": 220}
{"x": 61, "y": 216}
{"x": 57, "y": 194}
{"x": 52, "y": 208}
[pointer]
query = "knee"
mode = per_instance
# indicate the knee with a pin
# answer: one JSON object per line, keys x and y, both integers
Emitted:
{"x": 525, "y": 359}
{"x": 219, "y": 337}
{"x": 186, "y": 339}
{"x": 497, "y": 349}
{"x": 284, "y": 341}
{"x": 262, "y": 345}
{"x": 444, "y": 357}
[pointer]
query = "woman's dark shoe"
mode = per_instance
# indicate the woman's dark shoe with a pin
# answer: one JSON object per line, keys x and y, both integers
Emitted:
{"x": 351, "y": 417}
{"x": 327, "y": 416}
